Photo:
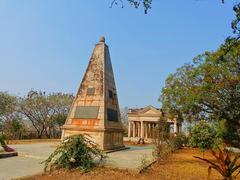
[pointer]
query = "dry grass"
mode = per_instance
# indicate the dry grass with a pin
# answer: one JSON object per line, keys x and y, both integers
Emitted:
{"x": 30, "y": 141}
{"x": 132, "y": 143}
{"x": 179, "y": 166}
{"x": 182, "y": 166}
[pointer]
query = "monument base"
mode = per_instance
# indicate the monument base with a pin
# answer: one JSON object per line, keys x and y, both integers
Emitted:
{"x": 107, "y": 139}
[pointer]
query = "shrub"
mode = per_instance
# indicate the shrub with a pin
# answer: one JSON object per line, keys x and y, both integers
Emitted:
{"x": 144, "y": 164}
{"x": 178, "y": 141}
{"x": 203, "y": 136}
{"x": 227, "y": 134}
{"x": 160, "y": 138}
{"x": 77, "y": 151}
{"x": 4, "y": 145}
{"x": 225, "y": 165}
{"x": 2, "y": 140}
{"x": 162, "y": 151}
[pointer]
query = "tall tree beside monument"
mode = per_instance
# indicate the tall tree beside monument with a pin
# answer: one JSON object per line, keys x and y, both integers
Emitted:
{"x": 95, "y": 110}
{"x": 209, "y": 89}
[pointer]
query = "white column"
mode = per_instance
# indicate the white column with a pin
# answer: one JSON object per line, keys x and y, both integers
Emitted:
{"x": 142, "y": 129}
{"x": 146, "y": 126}
{"x": 154, "y": 130}
{"x": 137, "y": 124}
{"x": 149, "y": 130}
{"x": 129, "y": 129}
{"x": 175, "y": 127}
{"x": 134, "y": 129}
{"x": 139, "y": 129}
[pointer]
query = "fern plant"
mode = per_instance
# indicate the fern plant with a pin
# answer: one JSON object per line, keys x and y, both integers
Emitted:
{"x": 225, "y": 165}
{"x": 77, "y": 151}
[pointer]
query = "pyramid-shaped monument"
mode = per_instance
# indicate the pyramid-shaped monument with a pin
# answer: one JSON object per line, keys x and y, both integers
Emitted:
{"x": 95, "y": 109}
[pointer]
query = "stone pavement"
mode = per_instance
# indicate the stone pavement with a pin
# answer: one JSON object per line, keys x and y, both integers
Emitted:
{"x": 28, "y": 161}
{"x": 130, "y": 158}
{"x": 31, "y": 155}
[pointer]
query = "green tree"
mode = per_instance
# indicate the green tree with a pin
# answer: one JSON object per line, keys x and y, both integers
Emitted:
{"x": 209, "y": 89}
{"x": 45, "y": 111}
{"x": 14, "y": 128}
{"x": 11, "y": 122}
{"x": 7, "y": 105}
{"x": 236, "y": 22}
{"x": 62, "y": 103}
{"x": 203, "y": 136}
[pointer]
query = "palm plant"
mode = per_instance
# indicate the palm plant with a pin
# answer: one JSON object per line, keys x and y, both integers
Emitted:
{"x": 225, "y": 165}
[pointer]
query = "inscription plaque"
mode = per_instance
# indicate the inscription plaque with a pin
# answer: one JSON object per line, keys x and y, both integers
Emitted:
{"x": 86, "y": 112}
{"x": 112, "y": 115}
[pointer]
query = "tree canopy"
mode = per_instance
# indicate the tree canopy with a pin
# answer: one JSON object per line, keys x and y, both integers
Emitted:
{"x": 7, "y": 105}
{"x": 208, "y": 88}
{"x": 45, "y": 111}
{"x": 37, "y": 112}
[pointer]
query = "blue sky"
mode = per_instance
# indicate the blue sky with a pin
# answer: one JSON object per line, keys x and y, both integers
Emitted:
{"x": 46, "y": 45}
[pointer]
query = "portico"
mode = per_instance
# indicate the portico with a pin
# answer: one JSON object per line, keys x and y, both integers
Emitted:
{"x": 143, "y": 121}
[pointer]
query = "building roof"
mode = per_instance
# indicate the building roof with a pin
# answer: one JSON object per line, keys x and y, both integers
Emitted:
{"x": 141, "y": 110}
{"x": 149, "y": 111}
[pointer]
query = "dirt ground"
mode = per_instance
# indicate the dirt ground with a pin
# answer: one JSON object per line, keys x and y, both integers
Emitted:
{"x": 179, "y": 166}
{"x": 30, "y": 141}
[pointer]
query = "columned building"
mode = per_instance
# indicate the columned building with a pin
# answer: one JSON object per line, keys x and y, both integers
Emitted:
{"x": 143, "y": 121}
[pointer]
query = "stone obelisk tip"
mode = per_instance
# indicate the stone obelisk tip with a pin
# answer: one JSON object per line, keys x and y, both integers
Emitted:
{"x": 102, "y": 39}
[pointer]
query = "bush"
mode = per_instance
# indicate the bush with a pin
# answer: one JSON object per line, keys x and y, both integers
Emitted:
{"x": 77, "y": 151}
{"x": 161, "y": 137}
{"x": 178, "y": 141}
{"x": 166, "y": 143}
{"x": 2, "y": 140}
{"x": 169, "y": 145}
{"x": 144, "y": 164}
{"x": 162, "y": 151}
{"x": 203, "y": 136}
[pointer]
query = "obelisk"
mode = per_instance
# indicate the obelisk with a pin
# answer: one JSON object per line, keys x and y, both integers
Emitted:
{"x": 95, "y": 109}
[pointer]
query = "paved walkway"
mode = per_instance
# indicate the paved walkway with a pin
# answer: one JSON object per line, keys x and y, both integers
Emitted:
{"x": 130, "y": 158}
{"x": 31, "y": 155}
